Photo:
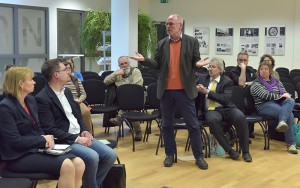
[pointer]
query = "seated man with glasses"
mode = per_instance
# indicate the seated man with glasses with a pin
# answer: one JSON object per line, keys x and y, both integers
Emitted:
{"x": 60, "y": 116}
{"x": 125, "y": 75}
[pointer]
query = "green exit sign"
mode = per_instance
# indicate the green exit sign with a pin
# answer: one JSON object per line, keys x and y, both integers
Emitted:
{"x": 163, "y": 1}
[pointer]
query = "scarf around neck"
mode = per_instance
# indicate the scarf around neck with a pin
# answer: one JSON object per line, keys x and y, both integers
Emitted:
{"x": 269, "y": 86}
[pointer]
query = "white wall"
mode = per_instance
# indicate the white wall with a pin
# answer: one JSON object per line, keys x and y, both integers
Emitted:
{"x": 238, "y": 13}
{"x": 212, "y": 13}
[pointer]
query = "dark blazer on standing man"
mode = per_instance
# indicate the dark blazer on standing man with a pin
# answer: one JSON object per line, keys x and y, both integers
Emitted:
{"x": 222, "y": 95}
{"x": 20, "y": 133}
{"x": 189, "y": 56}
{"x": 53, "y": 117}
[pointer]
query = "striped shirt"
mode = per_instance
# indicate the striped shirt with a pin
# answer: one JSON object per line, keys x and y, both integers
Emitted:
{"x": 261, "y": 94}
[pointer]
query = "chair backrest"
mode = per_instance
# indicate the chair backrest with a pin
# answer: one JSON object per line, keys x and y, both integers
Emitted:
{"x": 294, "y": 74}
{"x": 249, "y": 101}
{"x": 147, "y": 75}
{"x": 295, "y": 70}
{"x": 148, "y": 80}
{"x": 289, "y": 87}
{"x": 152, "y": 96}
{"x": 95, "y": 91}
{"x": 130, "y": 97}
{"x": 106, "y": 73}
{"x": 89, "y": 73}
{"x": 238, "y": 98}
{"x": 286, "y": 79}
{"x": 282, "y": 70}
{"x": 92, "y": 76}
{"x": 40, "y": 82}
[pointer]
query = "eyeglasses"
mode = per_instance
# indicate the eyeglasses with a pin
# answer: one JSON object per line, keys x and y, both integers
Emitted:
{"x": 170, "y": 24}
{"x": 64, "y": 70}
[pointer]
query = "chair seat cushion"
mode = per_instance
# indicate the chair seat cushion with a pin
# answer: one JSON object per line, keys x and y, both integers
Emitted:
{"x": 103, "y": 109}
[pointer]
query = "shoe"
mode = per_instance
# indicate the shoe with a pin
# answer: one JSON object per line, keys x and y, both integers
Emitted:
{"x": 138, "y": 136}
{"x": 168, "y": 162}
{"x": 282, "y": 127}
{"x": 201, "y": 163}
{"x": 233, "y": 154}
{"x": 292, "y": 149}
{"x": 116, "y": 121}
{"x": 247, "y": 157}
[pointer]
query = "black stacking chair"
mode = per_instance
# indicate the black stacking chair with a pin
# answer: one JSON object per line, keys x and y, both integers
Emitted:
{"x": 89, "y": 73}
{"x": 40, "y": 82}
{"x": 283, "y": 70}
{"x": 133, "y": 108}
{"x": 106, "y": 73}
{"x": 243, "y": 99}
{"x": 92, "y": 76}
{"x": 95, "y": 92}
{"x": 33, "y": 177}
{"x": 294, "y": 74}
{"x": 15, "y": 183}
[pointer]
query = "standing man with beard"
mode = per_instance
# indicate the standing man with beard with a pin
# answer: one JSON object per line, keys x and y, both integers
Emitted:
{"x": 125, "y": 75}
{"x": 176, "y": 57}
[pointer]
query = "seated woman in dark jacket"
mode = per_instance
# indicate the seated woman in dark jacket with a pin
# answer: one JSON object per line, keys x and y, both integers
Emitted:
{"x": 21, "y": 136}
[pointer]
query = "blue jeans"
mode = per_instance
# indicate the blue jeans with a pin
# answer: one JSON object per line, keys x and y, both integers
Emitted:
{"x": 179, "y": 98}
{"x": 283, "y": 112}
{"x": 98, "y": 159}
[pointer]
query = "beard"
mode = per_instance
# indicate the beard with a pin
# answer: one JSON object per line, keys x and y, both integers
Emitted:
{"x": 126, "y": 72}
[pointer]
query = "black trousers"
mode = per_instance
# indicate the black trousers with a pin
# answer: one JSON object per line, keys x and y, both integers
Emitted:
{"x": 232, "y": 116}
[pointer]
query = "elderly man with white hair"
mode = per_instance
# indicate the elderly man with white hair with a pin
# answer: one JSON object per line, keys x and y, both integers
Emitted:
{"x": 215, "y": 92}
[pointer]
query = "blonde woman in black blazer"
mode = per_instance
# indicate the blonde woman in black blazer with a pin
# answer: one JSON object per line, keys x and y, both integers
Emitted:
{"x": 21, "y": 136}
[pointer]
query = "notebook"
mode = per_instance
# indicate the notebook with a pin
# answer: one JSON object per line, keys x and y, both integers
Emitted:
{"x": 58, "y": 149}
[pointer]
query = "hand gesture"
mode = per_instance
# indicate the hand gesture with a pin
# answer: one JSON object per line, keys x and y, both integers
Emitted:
{"x": 202, "y": 89}
{"x": 120, "y": 72}
{"x": 285, "y": 95}
{"x": 89, "y": 136}
{"x": 242, "y": 66}
{"x": 202, "y": 62}
{"x": 138, "y": 57}
{"x": 83, "y": 141}
{"x": 49, "y": 141}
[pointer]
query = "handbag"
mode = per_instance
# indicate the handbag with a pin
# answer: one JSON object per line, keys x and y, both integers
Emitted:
{"x": 116, "y": 177}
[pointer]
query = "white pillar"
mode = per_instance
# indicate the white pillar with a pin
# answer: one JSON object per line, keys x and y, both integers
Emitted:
{"x": 124, "y": 30}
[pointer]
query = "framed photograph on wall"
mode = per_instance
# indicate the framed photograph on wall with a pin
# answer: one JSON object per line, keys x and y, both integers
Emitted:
{"x": 275, "y": 40}
{"x": 202, "y": 35}
{"x": 249, "y": 38}
{"x": 224, "y": 40}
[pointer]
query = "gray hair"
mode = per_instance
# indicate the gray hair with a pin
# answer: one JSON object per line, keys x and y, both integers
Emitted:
{"x": 219, "y": 62}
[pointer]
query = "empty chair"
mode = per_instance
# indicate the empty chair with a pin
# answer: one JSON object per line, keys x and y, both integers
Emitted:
{"x": 294, "y": 74}
{"x": 148, "y": 81}
{"x": 39, "y": 84}
{"x": 146, "y": 75}
{"x": 92, "y": 76}
{"x": 133, "y": 108}
{"x": 286, "y": 79}
{"x": 95, "y": 91}
{"x": 282, "y": 70}
{"x": 106, "y": 73}
{"x": 89, "y": 73}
